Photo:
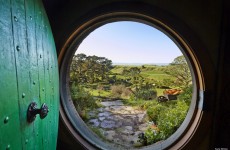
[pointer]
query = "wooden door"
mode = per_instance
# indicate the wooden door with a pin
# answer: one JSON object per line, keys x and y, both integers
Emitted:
{"x": 28, "y": 73}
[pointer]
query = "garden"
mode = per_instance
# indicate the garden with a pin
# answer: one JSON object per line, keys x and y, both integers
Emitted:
{"x": 106, "y": 94}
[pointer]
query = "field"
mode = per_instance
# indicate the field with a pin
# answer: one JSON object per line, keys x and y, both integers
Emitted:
{"x": 148, "y": 72}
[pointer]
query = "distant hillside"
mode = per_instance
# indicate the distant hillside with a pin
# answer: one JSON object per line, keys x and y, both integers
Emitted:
{"x": 140, "y": 64}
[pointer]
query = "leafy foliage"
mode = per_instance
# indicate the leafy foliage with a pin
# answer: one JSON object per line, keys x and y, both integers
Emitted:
{"x": 186, "y": 95}
{"x": 153, "y": 111}
{"x": 167, "y": 116}
{"x": 133, "y": 75}
{"x": 172, "y": 119}
{"x": 82, "y": 99}
{"x": 180, "y": 70}
{"x": 89, "y": 69}
{"x": 146, "y": 92}
{"x": 167, "y": 119}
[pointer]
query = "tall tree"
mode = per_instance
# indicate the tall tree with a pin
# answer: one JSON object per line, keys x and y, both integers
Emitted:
{"x": 89, "y": 69}
{"x": 78, "y": 69}
{"x": 180, "y": 70}
{"x": 134, "y": 74}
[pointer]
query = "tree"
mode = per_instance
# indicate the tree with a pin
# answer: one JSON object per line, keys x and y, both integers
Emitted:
{"x": 106, "y": 66}
{"x": 134, "y": 74}
{"x": 78, "y": 69}
{"x": 89, "y": 69}
{"x": 180, "y": 70}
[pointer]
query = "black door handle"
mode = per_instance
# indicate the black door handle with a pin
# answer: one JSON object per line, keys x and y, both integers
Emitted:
{"x": 32, "y": 111}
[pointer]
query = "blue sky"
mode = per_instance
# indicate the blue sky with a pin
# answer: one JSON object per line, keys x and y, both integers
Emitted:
{"x": 130, "y": 42}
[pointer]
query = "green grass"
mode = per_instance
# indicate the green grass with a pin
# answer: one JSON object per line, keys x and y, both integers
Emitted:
{"x": 120, "y": 77}
{"x": 158, "y": 77}
{"x": 143, "y": 104}
{"x": 117, "y": 69}
{"x": 149, "y": 72}
{"x": 159, "y": 91}
{"x": 103, "y": 93}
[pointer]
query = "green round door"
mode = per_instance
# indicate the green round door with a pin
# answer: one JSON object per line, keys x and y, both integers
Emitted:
{"x": 28, "y": 74}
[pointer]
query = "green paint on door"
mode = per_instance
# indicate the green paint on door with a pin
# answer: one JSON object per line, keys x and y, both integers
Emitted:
{"x": 29, "y": 73}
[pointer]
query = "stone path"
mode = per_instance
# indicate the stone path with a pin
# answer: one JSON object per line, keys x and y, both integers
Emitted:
{"x": 119, "y": 123}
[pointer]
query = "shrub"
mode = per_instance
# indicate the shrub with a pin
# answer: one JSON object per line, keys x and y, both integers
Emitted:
{"x": 126, "y": 92}
{"x": 154, "y": 111}
{"x": 116, "y": 90}
{"x": 186, "y": 95}
{"x": 119, "y": 91}
{"x": 82, "y": 99}
{"x": 146, "y": 92}
{"x": 151, "y": 136}
{"x": 168, "y": 119}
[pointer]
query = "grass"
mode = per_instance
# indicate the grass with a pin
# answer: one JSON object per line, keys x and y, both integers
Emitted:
{"x": 142, "y": 104}
{"x": 98, "y": 93}
{"x": 159, "y": 91}
{"x": 117, "y": 69}
{"x": 158, "y": 77}
{"x": 150, "y": 72}
{"x": 120, "y": 77}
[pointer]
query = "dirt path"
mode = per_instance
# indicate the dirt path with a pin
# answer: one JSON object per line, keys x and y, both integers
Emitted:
{"x": 119, "y": 123}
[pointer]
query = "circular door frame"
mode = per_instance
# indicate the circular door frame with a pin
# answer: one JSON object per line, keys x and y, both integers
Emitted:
{"x": 163, "y": 22}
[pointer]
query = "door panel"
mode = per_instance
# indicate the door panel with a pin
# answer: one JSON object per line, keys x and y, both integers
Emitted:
{"x": 29, "y": 73}
{"x": 31, "y": 23}
{"x": 9, "y": 110}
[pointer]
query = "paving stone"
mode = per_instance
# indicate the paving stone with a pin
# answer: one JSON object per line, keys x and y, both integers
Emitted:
{"x": 108, "y": 124}
{"x": 141, "y": 117}
{"x": 109, "y": 135}
{"x": 130, "y": 108}
{"x": 101, "y": 109}
{"x": 126, "y": 130}
{"x": 127, "y": 139}
{"x": 101, "y": 118}
{"x": 115, "y": 118}
{"x": 143, "y": 127}
{"x": 104, "y": 114}
{"x": 129, "y": 128}
{"x": 94, "y": 122}
{"x": 128, "y": 122}
{"x": 119, "y": 123}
